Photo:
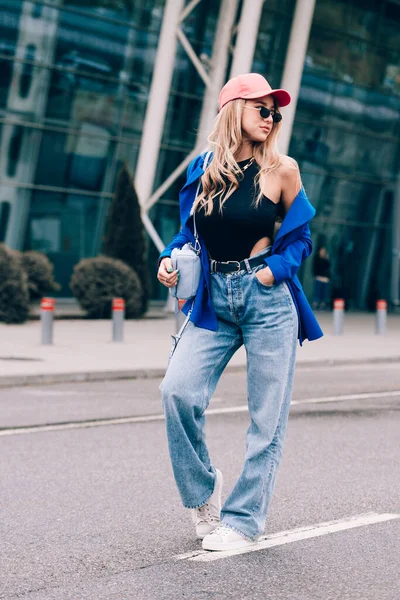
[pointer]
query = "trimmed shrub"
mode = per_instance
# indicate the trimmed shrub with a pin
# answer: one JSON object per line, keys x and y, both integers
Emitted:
{"x": 125, "y": 238}
{"x": 14, "y": 295}
{"x": 96, "y": 281}
{"x": 39, "y": 271}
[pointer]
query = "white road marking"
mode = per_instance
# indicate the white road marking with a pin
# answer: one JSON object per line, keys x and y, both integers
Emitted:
{"x": 293, "y": 535}
{"x": 209, "y": 411}
{"x": 361, "y": 396}
{"x": 340, "y": 398}
{"x": 41, "y": 392}
{"x": 77, "y": 425}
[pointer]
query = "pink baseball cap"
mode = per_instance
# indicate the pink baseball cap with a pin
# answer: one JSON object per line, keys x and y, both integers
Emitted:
{"x": 250, "y": 86}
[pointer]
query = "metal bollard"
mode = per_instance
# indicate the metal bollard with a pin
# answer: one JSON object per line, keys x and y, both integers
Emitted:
{"x": 338, "y": 316}
{"x": 179, "y": 315}
{"x": 381, "y": 315}
{"x": 118, "y": 314}
{"x": 46, "y": 317}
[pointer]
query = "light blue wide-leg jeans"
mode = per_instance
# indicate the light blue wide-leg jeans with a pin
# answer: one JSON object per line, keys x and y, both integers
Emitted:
{"x": 264, "y": 319}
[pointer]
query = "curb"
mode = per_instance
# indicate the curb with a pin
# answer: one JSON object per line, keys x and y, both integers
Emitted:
{"x": 79, "y": 377}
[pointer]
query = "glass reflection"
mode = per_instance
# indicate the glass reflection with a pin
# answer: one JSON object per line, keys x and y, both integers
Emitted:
{"x": 344, "y": 138}
{"x": 9, "y": 18}
{"x": 90, "y": 120}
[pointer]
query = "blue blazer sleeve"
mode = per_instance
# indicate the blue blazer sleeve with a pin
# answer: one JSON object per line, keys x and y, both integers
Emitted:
{"x": 181, "y": 238}
{"x": 285, "y": 264}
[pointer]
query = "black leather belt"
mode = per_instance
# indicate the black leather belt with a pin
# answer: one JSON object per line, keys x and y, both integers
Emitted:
{"x": 233, "y": 266}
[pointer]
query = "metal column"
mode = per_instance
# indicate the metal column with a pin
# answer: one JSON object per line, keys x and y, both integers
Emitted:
{"x": 159, "y": 95}
{"x": 294, "y": 63}
{"x": 158, "y": 101}
{"x": 246, "y": 39}
{"x": 219, "y": 60}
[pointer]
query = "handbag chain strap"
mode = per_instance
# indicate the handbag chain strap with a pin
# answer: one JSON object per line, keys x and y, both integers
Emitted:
{"x": 197, "y": 246}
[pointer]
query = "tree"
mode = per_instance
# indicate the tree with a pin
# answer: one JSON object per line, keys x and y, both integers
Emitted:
{"x": 14, "y": 295}
{"x": 96, "y": 281}
{"x": 125, "y": 238}
{"x": 39, "y": 271}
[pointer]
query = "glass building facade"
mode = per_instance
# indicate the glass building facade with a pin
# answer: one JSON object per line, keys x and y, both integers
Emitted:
{"x": 74, "y": 85}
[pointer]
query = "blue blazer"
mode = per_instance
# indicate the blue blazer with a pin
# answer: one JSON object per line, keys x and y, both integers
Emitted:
{"x": 291, "y": 246}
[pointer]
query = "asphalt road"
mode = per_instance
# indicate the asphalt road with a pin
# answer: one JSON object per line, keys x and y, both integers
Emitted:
{"x": 89, "y": 507}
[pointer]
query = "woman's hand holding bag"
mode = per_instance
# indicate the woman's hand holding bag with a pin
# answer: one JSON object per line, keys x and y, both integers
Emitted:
{"x": 166, "y": 273}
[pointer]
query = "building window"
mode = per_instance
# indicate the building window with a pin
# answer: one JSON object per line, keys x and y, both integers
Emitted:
{"x": 14, "y": 151}
{"x": 27, "y": 72}
{"x": 37, "y": 11}
{"x": 45, "y": 234}
{"x": 5, "y": 208}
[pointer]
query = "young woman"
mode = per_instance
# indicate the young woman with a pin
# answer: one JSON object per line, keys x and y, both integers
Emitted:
{"x": 248, "y": 294}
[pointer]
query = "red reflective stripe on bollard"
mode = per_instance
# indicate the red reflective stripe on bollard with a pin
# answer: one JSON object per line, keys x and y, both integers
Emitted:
{"x": 338, "y": 303}
{"x": 118, "y": 304}
{"x": 47, "y": 304}
{"x": 51, "y": 300}
{"x": 381, "y": 305}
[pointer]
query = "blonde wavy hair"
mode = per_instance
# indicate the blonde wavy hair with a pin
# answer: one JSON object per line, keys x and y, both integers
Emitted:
{"x": 225, "y": 141}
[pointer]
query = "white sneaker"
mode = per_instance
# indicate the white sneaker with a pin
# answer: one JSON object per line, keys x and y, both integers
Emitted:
{"x": 207, "y": 517}
{"x": 225, "y": 538}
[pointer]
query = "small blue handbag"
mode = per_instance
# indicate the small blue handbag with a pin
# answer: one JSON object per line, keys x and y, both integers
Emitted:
{"x": 187, "y": 260}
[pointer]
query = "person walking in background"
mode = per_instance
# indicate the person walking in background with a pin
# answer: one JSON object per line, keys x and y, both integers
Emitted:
{"x": 248, "y": 294}
{"x": 322, "y": 275}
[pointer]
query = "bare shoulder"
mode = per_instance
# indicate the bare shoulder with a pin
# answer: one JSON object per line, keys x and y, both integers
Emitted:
{"x": 288, "y": 167}
{"x": 289, "y": 173}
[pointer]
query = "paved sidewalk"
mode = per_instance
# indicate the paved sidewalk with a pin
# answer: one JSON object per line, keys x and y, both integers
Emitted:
{"x": 83, "y": 349}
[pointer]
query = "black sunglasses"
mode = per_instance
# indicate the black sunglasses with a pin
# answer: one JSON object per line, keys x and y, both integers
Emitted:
{"x": 265, "y": 113}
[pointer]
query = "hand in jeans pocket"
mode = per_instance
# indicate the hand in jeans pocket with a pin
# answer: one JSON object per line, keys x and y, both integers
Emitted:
{"x": 265, "y": 277}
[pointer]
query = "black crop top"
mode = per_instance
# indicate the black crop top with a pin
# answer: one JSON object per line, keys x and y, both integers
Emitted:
{"x": 233, "y": 234}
